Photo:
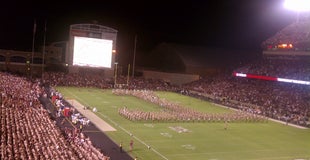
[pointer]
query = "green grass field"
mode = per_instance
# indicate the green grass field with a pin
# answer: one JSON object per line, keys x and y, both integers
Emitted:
{"x": 203, "y": 141}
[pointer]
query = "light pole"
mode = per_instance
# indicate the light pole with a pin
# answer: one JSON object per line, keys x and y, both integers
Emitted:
{"x": 115, "y": 73}
{"x": 44, "y": 39}
{"x": 134, "y": 57}
{"x": 33, "y": 41}
{"x": 128, "y": 71}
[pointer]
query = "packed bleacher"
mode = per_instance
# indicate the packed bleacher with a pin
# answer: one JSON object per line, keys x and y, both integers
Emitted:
{"x": 79, "y": 80}
{"x": 93, "y": 80}
{"x": 291, "y": 68}
{"x": 28, "y": 132}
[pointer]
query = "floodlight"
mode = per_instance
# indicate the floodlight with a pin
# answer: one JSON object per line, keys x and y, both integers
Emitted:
{"x": 297, "y": 5}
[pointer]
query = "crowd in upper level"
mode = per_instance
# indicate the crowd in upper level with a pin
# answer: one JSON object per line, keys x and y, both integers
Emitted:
{"x": 297, "y": 34}
{"x": 298, "y": 69}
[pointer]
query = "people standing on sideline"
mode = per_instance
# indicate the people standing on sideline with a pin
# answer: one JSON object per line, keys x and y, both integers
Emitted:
{"x": 81, "y": 127}
{"x": 121, "y": 147}
{"x": 131, "y": 145}
{"x": 226, "y": 125}
{"x": 94, "y": 109}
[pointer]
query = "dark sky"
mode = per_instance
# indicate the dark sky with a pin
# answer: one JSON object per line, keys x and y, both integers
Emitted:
{"x": 241, "y": 24}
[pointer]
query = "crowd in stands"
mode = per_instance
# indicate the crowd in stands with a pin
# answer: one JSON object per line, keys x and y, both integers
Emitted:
{"x": 298, "y": 69}
{"x": 98, "y": 81}
{"x": 27, "y": 130}
{"x": 140, "y": 83}
{"x": 78, "y": 79}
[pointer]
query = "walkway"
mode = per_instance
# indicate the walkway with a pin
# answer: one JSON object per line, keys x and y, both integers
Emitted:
{"x": 98, "y": 122}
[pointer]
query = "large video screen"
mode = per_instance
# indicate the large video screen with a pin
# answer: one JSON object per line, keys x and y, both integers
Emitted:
{"x": 92, "y": 52}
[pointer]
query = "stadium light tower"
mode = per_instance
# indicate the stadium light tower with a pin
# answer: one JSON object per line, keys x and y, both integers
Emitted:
{"x": 115, "y": 73}
{"x": 297, "y": 6}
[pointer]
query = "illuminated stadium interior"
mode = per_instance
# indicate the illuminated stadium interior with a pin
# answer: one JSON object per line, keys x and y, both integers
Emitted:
{"x": 175, "y": 102}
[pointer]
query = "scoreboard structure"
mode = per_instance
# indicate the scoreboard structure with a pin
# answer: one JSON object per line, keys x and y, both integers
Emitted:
{"x": 91, "y": 45}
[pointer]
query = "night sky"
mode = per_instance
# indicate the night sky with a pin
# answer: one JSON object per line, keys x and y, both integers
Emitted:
{"x": 238, "y": 24}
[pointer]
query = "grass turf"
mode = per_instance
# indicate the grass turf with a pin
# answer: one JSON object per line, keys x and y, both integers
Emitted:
{"x": 203, "y": 141}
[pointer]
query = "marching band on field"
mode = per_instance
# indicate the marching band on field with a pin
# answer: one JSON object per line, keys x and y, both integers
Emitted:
{"x": 172, "y": 112}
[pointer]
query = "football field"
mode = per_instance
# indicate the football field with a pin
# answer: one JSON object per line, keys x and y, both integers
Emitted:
{"x": 192, "y": 140}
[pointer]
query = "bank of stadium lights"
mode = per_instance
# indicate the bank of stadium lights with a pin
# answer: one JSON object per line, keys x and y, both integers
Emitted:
{"x": 297, "y": 5}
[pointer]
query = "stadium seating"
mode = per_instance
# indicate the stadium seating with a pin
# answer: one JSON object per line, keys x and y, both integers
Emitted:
{"x": 28, "y": 132}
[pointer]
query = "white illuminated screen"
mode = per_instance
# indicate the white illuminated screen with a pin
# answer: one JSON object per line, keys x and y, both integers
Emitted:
{"x": 92, "y": 52}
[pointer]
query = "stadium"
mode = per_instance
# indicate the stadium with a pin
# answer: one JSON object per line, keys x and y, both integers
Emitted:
{"x": 78, "y": 102}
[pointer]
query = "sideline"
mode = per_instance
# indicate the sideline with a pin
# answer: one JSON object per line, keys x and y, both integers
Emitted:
{"x": 98, "y": 122}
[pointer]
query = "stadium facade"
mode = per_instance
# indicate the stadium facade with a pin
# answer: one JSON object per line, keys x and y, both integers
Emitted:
{"x": 93, "y": 33}
{"x": 58, "y": 55}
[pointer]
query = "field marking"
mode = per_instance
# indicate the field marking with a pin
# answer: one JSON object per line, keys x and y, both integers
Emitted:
{"x": 114, "y": 107}
{"x": 116, "y": 124}
{"x": 179, "y": 129}
{"x": 165, "y": 134}
{"x": 188, "y": 146}
{"x": 149, "y": 125}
